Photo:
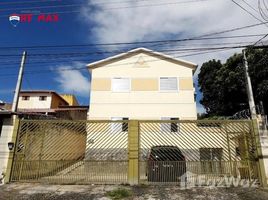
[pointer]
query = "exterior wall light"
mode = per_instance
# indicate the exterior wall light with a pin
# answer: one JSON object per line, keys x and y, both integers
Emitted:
{"x": 10, "y": 146}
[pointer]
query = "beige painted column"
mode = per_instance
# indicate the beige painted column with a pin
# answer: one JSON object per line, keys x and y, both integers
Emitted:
{"x": 133, "y": 152}
{"x": 11, "y": 153}
{"x": 262, "y": 149}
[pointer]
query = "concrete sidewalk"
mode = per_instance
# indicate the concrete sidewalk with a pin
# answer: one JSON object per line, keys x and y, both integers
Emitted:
{"x": 17, "y": 191}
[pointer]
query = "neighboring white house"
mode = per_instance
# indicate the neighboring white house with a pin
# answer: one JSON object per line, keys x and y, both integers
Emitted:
{"x": 40, "y": 101}
{"x": 142, "y": 84}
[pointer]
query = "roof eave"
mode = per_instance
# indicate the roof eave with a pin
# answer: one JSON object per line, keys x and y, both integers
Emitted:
{"x": 102, "y": 62}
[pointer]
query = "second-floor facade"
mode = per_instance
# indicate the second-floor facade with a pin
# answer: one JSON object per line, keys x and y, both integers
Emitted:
{"x": 40, "y": 99}
{"x": 142, "y": 84}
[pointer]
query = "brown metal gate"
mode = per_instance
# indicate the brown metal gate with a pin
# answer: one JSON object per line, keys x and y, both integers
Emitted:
{"x": 189, "y": 151}
{"x": 170, "y": 151}
{"x": 71, "y": 152}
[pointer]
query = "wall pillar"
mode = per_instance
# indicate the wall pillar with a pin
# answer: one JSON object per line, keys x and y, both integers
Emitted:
{"x": 262, "y": 150}
{"x": 12, "y": 152}
{"x": 133, "y": 152}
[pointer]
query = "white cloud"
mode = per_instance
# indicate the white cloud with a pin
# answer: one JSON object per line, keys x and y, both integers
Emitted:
{"x": 114, "y": 22}
{"x": 123, "y": 22}
{"x": 110, "y": 22}
{"x": 73, "y": 81}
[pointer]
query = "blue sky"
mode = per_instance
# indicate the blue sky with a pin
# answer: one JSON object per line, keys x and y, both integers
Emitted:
{"x": 103, "y": 21}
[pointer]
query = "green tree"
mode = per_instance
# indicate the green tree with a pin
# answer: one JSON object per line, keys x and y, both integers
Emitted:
{"x": 224, "y": 86}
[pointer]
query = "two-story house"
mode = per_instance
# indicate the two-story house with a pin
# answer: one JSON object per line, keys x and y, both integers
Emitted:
{"x": 40, "y": 101}
{"x": 142, "y": 84}
{"x": 50, "y": 103}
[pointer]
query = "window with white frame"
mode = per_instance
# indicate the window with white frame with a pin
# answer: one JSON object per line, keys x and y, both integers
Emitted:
{"x": 119, "y": 126}
{"x": 170, "y": 127}
{"x": 168, "y": 84}
{"x": 120, "y": 84}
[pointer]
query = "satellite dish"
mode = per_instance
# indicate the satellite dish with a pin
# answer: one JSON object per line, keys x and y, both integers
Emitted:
{"x": 14, "y": 20}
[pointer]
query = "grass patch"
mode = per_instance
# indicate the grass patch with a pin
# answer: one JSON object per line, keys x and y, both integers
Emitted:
{"x": 119, "y": 193}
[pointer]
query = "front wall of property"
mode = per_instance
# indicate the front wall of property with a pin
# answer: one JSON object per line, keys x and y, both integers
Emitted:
{"x": 5, "y": 137}
{"x": 108, "y": 151}
{"x": 144, "y": 100}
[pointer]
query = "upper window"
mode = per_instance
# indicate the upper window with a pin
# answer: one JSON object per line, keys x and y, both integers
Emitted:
{"x": 120, "y": 84}
{"x": 25, "y": 98}
{"x": 42, "y": 98}
{"x": 168, "y": 84}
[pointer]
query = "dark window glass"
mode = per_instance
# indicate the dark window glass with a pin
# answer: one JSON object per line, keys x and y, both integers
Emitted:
{"x": 25, "y": 98}
{"x": 125, "y": 124}
{"x": 174, "y": 126}
{"x": 1, "y": 124}
{"x": 42, "y": 98}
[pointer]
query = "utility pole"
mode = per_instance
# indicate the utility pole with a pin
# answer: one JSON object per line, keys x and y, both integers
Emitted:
{"x": 249, "y": 88}
{"x": 18, "y": 86}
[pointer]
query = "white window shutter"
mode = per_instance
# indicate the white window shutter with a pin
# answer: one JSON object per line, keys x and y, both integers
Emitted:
{"x": 165, "y": 127}
{"x": 116, "y": 127}
{"x": 169, "y": 127}
{"x": 168, "y": 84}
{"x": 120, "y": 84}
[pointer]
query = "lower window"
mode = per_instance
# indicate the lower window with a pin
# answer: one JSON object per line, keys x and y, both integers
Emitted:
{"x": 119, "y": 126}
{"x": 170, "y": 127}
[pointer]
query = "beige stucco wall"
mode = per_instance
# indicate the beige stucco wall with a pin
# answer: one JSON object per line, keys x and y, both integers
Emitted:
{"x": 56, "y": 101}
{"x": 71, "y": 99}
{"x": 137, "y": 104}
{"x": 34, "y": 102}
{"x": 6, "y": 136}
{"x": 101, "y": 84}
{"x": 143, "y": 84}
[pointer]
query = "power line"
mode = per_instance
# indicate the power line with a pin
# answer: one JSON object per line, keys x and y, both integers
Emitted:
{"x": 26, "y": 2}
{"x": 260, "y": 40}
{"x": 68, "y": 55}
{"x": 202, "y": 37}
{"x": 110, "y": 8}
{"x": 84, "y": 67}
{"x": 78, "y": 56}
{"x": 262, "y": 13}
{"x": 251, "y": 6}
{"x": 96, "y": 4}
{"x": 42, "y": 7}
{"x": 252, "y": 16}
{"x": 153, "y": 5}
{"x": 247, "y": 11}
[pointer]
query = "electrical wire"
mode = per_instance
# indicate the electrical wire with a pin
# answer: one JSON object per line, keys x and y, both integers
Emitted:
{"x": 201, "y": 37}
{"x": 85, "y": 67}
{"x": 111, "y": 8}
{"x": 247, "y": 11}
{"x": 249, "y": 5}
{"x": 27, "y": 2}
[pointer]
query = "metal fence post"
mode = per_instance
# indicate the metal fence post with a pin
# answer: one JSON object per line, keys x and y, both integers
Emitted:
{"x": 133, "y": 152}
{"x": 260, "y": 162}
{"x": 11, "y": 155}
